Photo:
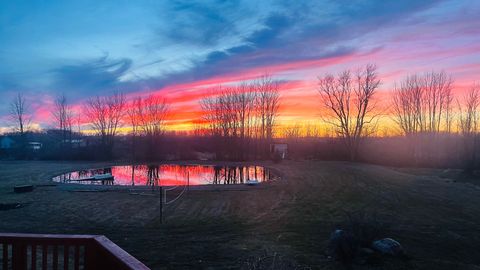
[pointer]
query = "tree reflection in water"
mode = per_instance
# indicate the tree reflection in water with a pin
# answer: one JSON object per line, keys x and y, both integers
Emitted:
{"x": 153, "y": 175}
{"x": 171, "y": 175}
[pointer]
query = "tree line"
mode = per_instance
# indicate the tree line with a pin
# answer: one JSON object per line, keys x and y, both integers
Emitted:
{"x": 242, "y": 120}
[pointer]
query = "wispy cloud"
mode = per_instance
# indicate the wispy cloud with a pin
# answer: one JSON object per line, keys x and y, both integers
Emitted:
{"x": 91, "y": 77}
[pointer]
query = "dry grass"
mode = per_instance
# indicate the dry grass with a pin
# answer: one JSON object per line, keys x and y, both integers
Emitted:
{"x": 436, "y": 221}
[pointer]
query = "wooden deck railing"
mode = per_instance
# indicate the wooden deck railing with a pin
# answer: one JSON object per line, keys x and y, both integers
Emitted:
{"x": 55, "y": 251}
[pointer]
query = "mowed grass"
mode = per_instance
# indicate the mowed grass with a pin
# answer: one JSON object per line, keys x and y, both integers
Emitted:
{"x": 436, "y": 220}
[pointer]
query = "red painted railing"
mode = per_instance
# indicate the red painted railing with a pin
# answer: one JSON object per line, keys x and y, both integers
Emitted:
{"x": 56, "y": 251}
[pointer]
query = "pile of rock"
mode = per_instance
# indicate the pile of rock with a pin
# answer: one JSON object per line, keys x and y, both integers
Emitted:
{"x": 345, "y": 248}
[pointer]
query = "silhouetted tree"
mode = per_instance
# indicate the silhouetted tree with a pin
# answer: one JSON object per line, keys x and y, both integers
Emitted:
{"x": 105, "y": 116}
{"x": 239, "y": 114}
{"x": 267, "y": 103}
{"x": 220, "y": 110}
{"x": 63, "y": 116}
{"x": 348, "y": 104}
{"x": 133, "y": 112}
{"x": 19, "y": 115}
{"x": 244, "y": 106}
{"x": 422, "y": 108}
{"x": 152, "y": 122}
{"x": 147, "y": 117}
{"x": 292, "y": 133}
{"x": 469, "y": 116}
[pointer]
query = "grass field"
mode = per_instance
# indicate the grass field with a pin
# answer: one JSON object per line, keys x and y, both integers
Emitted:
{"x": 436, "y": 220}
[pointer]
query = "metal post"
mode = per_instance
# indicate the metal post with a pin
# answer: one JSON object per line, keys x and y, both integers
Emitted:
{"x": 161, "y": 205}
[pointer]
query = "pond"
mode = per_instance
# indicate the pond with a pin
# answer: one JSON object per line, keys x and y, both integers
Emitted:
{"x": 168, "y": 175}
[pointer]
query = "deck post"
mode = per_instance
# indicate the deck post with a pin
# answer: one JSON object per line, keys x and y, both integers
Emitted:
{"x": 19, "y": 256}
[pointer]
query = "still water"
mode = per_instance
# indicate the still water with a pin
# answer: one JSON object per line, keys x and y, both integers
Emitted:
{"x": 167, "y": 175}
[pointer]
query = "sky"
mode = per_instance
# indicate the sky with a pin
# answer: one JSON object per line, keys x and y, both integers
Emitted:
{"x": 181, "y": 49}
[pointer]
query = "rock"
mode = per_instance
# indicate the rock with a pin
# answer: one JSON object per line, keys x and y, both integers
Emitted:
{"x": 388, "y": 246}
{"x": 341, "y": 246}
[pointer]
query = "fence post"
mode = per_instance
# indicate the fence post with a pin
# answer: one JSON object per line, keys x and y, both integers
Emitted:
{"x": 161, "y": 205}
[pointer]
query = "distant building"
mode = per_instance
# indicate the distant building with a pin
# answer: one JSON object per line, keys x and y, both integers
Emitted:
{"x": 6, "y": 142}
{"x": 35, "y": 146}
{"x": 206, "y": 156}
{"x": 76, "y": 143}
{"x": 79, "y": 143}
{"x": 280, "y": 148}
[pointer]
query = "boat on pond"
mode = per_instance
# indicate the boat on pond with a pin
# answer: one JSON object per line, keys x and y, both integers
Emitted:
{"x": 97, "y": 177}
{"x": 252, "y": 182}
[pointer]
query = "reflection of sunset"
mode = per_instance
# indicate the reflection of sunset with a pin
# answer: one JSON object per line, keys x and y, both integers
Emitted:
{"x": 171, "y": 175}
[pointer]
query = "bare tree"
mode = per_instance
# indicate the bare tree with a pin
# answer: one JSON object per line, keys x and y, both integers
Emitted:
{"x": 423, "y": 103}
{"x": 469, "y": 116}
{"x": 268, "y": 102}
{"x": 105, "y": 115}
{"x": 243, "y": 98}
{"x": 438, "y": 97}
{"x": 408, "y": 111}
{"x": 422, "y": 107}
{"x": 147, "y": 117}
{"x": 211, "y": 114}
{"x": 223, "y": 112}
{"x": 134, "y": 111}
{"x": 153, "y": 115}
{"x": 407, "y": 100}
{"x": 292, "y": 133}
{"x": 19, "y": 114}
{"x": 348, "y": 104}
{"x": 311, "y": 130}
{"x": 20, "y": 118}
{"x": 199, "y": 130}
{"x": 240, "y": 114}
{"x": 63, "y": 116}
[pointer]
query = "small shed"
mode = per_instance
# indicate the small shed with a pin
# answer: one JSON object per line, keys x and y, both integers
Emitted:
{"x": 279, "y": 148}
